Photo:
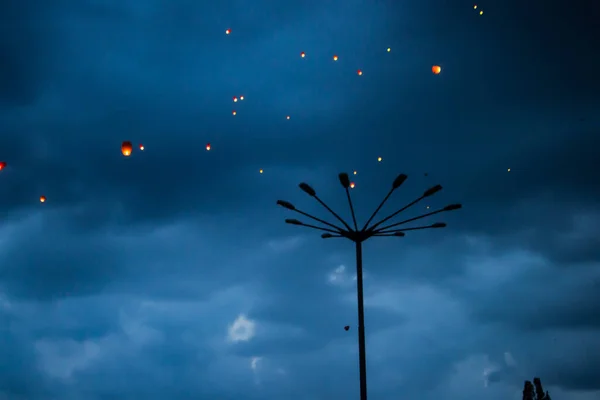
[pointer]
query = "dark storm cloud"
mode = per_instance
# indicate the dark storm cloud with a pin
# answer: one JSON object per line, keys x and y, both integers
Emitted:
{"x": 17, "y": 360}
{"x": 76, "y": 170}
{"x": 49, "y": 262}
{"x": 26, "y": 51}
{"x": 106, "y": 106}
{"x": 56, "y": 264}
{"x": 547, "y": 201}
{"x": 536, "y": 304}
{"x": 139, "y": 255}
{"x": 316, "y": 306}
{"x": 520, "y": 294}
{"x": 564, "y": 166}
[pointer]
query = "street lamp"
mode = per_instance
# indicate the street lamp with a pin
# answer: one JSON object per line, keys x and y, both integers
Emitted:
{"x": 360, "y": 235}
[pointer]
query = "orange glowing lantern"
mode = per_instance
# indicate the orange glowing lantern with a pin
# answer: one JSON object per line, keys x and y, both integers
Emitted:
{"x": 234, "y": 99}
{"x": 335, "y": 58}
{"x": 436, "y": 69}
{"x": 234, "y": 112}
{"x": 42, "y": 199}
{"x": 2, "y": 165}
{"x": 126, "y": 148}
{"x": 207, "y": 146}
{"x": 302, "y": 54}
{"x": 352, "y": 185}
{"x": 359, "y": 72}
{"x": 227, "y": 31}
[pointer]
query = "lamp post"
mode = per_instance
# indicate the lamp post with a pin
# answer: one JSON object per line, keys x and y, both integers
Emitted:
{"x": 358, "y": 236}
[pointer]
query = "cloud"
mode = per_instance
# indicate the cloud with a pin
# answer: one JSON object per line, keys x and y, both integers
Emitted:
{"x": 285, "y": 245}
{"x": 254, "y": 362}
{"x": 509, "y": 359}
{"x": 241, "y": 330}
{"x": 340, "y": 277}
{"x": 62, "y": 359}
{"x": 164, "y": 275}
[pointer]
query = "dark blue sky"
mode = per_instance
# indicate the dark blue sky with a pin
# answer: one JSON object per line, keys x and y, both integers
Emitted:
{"x": 171, "y": 274}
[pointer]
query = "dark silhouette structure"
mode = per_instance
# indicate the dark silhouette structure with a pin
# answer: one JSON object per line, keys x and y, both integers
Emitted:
{"x": 535, "y": 391}
{"x": 358, "y": 236}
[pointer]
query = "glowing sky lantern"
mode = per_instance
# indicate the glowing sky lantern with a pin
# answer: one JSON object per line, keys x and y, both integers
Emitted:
{"x": 42, "y": 199}
{"x": 359, "y": 72}
{"x": 234, "y": 112}
{"x": 302, "y": 54}
{"x": 481, "y": 12}
{"x": 207, "y": 146}
{"x": 436, "y": 69}
{"x": 126, "y": 148}
{"x": 475, "y": 7}
{"x": 335, "y": 58}
{"x": 227, "y": 31}
{"x": 241, "y": 97}
{"x": 354, "y": 172}
{"x": 260, "y": 171}
{"x": 379, "y": 159}
{"x": 2, "y": 165}
{"x": 509, "y": 170}
{"x": 235, "y": 99}
{"x": 389, "y": 49}
{"x": 141, "y": 147}
{"x": 288, "y": 117}
{"x": 352, "y": 184}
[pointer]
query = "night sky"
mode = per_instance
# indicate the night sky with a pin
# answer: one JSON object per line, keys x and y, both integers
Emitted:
{"x": 170, "y": 274}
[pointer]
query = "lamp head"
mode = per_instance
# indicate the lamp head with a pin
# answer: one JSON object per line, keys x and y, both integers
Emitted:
{"x": 344, "y": 180}
{"x": 286, "y": 204}
{"x": 432, "y": 191}
{"x": 307, "y": 189}
{"x": 438, "y": 225}
{"x": 452, "y": 207}
{"x": 399, "y": 234}
{"x": 293, "y": 222}
{"x": 399, "y": 181}
{"x": 326, "y": 235}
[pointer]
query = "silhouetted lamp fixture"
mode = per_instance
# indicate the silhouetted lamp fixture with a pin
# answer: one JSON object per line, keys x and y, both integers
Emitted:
{"x": 360, "y": 235}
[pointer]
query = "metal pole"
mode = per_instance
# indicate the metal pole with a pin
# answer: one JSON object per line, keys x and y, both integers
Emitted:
{"x": 361, "y": 323}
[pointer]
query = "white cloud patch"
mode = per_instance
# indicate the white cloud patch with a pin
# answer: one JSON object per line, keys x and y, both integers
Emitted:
{"x": 241, "y": 330}
{"x": 62, "y": 358}
{"x": 471, "y": 376}
{"x": 285, "y": 245}
{"x": 509, "y": 359}
{"x": 254, "y": 366}
{"x": 138, "y": 332}
{"x": 341, "y": 277}
{"x": 254, "y": 363}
